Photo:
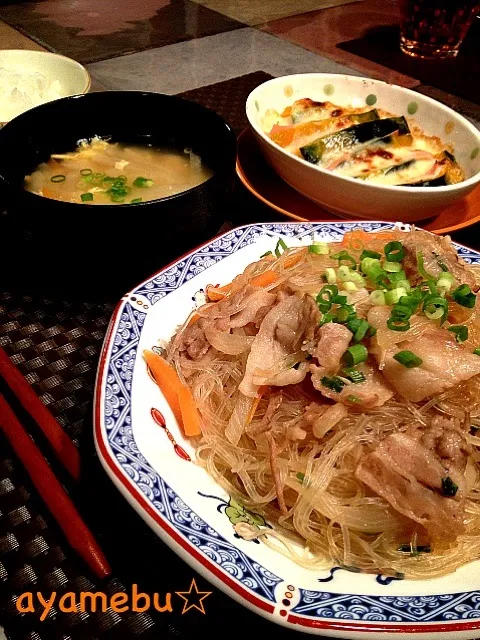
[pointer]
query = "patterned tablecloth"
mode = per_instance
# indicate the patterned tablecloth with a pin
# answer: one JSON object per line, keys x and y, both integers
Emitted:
{"x": 55, "y": 341}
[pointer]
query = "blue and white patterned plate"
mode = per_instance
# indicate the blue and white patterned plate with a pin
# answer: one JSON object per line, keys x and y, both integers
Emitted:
{"x": 152, "y": 464}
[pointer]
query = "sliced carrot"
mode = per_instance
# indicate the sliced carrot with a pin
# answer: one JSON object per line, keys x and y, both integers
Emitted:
{"x": 194, "y": 318}
{"x": 256, "y": 402}
{"x": 292, "y": 259}
{"x": 190, "y": 416}
{"x": 178, "y": 396}
{"x": 356, "y": 239}
{"x": 167, "y": 379}
{"x": 264, "y": 279}
{"x": 48, "y": 193}
{"x": 214, "y": 294}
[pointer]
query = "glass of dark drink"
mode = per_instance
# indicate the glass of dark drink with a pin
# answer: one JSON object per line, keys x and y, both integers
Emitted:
{"x": 435, "y": 28}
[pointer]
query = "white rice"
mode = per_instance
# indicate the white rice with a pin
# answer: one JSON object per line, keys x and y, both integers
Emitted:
{"x": 22, "y": 89}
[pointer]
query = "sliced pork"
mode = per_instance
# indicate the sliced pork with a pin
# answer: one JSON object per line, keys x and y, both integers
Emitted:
{"x": 374, "y": 392}
{"x": 322, "y": 418}
{"x": 333, "y": 341}
{"x": 421, "y": 473}
{"x": 438, "y": 255}
{"x": 241, "y": 307}
{"x": 290, "y": 323}
{"x": 246, "y": 306}
{"x": 193, "y": 341}
{"x": 444, "y": 365}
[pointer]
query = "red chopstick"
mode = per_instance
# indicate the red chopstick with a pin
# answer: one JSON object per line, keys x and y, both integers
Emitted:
{"x": 64, "y": 448}
{"x": 52, "y": 492}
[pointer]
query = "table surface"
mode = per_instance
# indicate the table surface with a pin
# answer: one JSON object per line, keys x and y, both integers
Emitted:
{"x": 55, "y": 338}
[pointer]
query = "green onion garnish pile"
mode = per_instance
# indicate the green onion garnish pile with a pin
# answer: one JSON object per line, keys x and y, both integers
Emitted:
{"x": 385, "y": 276}
{"x": 115, "y": 187}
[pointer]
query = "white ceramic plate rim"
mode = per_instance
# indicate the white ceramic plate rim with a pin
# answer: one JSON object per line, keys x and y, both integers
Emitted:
{"x": 460, "y": 624}
{"x": 250, "y": 112}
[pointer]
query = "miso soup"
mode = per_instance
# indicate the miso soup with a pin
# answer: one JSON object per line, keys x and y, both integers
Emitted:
{"x": 104, "y": 172}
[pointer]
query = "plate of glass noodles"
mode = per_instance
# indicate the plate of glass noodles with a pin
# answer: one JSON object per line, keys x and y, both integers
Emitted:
{"x": 295, "y": 410}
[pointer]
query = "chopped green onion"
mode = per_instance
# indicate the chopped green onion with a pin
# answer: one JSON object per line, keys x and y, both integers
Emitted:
{"x": 398, "y": 324}
{"x": 357, "y": 278}
{"x": 352, "y": 398}
{"x": 280, "y": 244}
{"x": 267, "y": 253}
{"x": 123, "y": 179}
{"x": 435, "y": 314}
{"x": 350, "y": 286}
{"x": 320, "y": 248}
{"x": 435, "y": 307}
{"x": 300, "y": 476}
{"x": 344, "y": 256}
{"x": 366, "y": 253}
{"x": 408, "y": 359}
{"x": 354, "y": 375}
{"x": 139, "y": 182}
{"x": 449, "y": 488}
{"x": 335, "y": 384}
{"x": 108, "y": 179}
{"x": 361, "y": 332}
{"x": 421, "y": 267}
{"x": 442, "y": 265}
{"x": 372, "y": 269}
{"x": 58, "y": 178}
{"x": 477, "y": 351}
{"x": 377, "y": 297}
{"x": 87, "y": 197}
{"x": 394, "y": 251}
{"x": 460, "y": 331}
{"x": 353, "y": 324}
{"x": 343, "y": 273}
{"x": 403, "y": 284}
{"x": 393, "y": 296}
{"x": 392, "y": 267}
{"x": 86, "y": 172}
{"x": 331, "y": 275}
{"x": 338, "y": 299}
{"x": 432, "y": 287}
{"x": 412, "y": 299}
{"x": 397, "y": 276}
{"x": 402, "y": 311}
{"x": 355, "y": 354}
{"x": 446, "y": 276}
{"x": 326, "y": 293}
{"x": 326, "y": 317}
{"x": 464, "y": 296}
{"x": 98, "y": 177}
{"x": 343, "y": 314}
{"x": 136, "y": 200}
{"x": 444, "y": 286}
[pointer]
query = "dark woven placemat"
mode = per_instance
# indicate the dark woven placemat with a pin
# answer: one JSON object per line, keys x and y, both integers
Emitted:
{"x": 56, "y": 341}
{"x": 228, "y": 98}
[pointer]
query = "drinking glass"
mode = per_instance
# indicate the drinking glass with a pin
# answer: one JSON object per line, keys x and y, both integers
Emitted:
{"x": 435, "y": 28}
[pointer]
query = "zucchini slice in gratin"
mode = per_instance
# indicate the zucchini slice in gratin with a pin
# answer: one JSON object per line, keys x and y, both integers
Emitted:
{"x": 366, "y": 144}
